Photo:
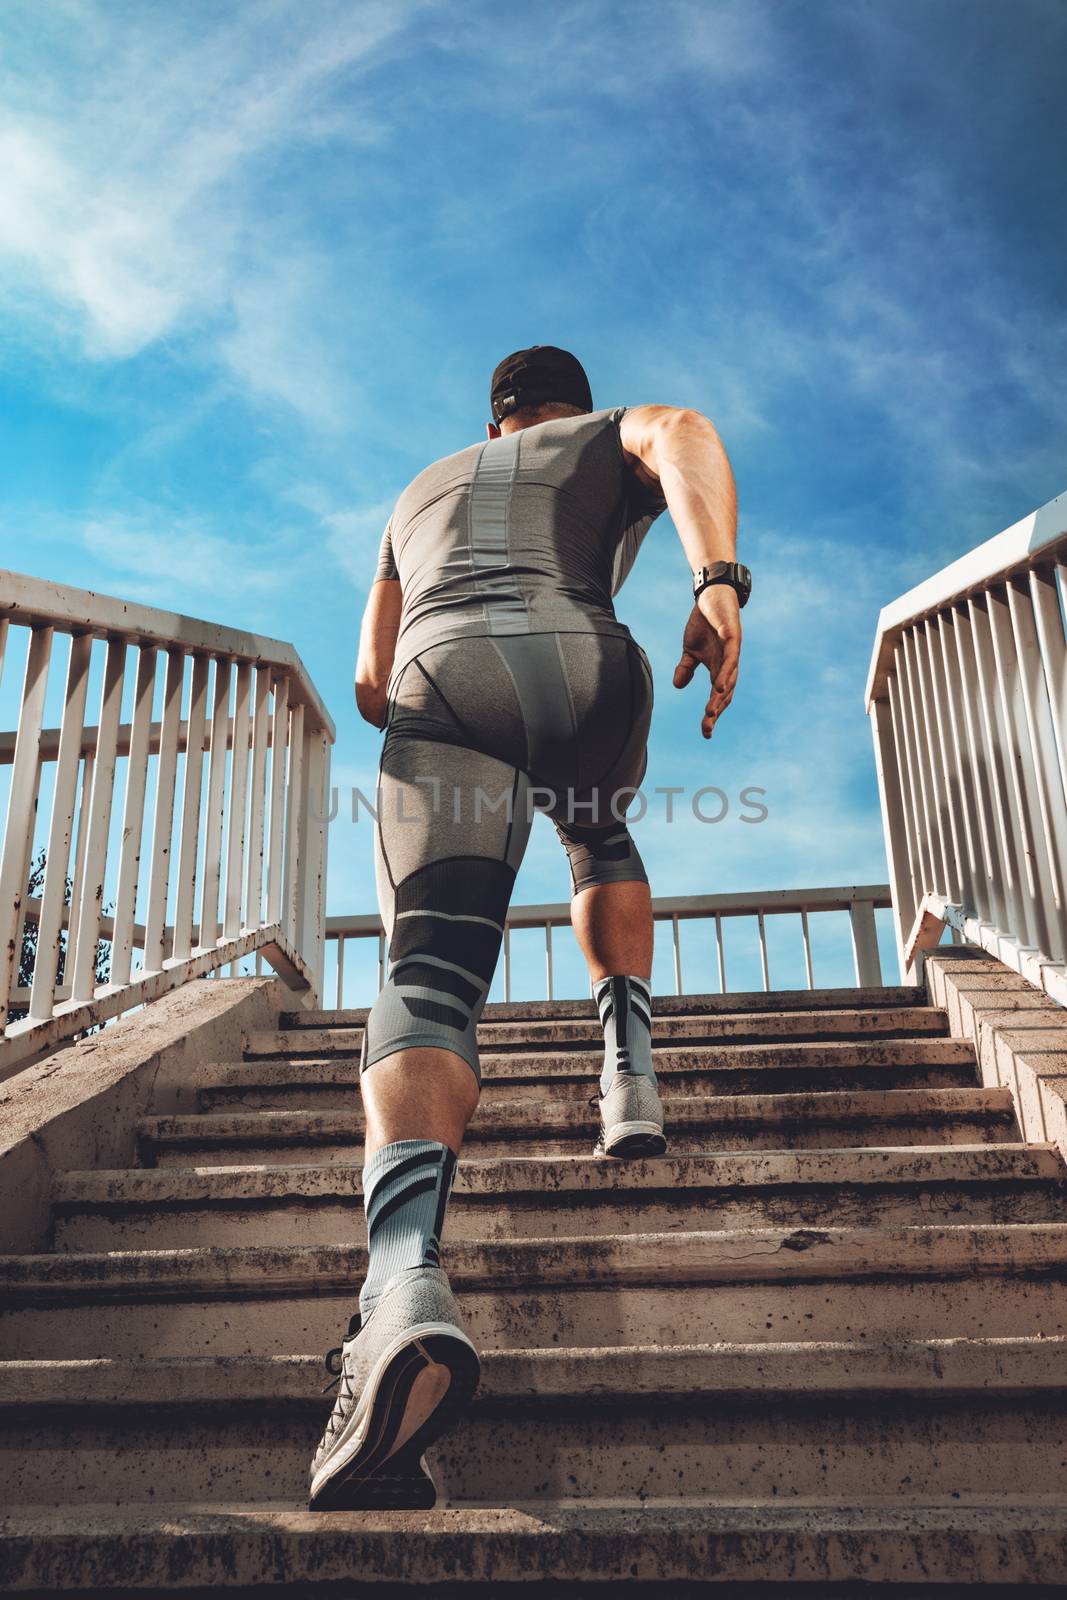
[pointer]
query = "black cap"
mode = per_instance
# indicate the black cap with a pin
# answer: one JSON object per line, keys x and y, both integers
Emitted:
{"x": 536, "y": 376}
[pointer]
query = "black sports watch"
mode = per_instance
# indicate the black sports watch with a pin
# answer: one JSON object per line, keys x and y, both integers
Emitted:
{"x": 732, "y": 572}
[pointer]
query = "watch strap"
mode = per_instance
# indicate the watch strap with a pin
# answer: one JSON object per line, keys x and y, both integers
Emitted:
{"x": 730, "y": 572}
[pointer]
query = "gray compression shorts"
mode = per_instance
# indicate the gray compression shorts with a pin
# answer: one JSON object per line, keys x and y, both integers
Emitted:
{"x": 481, "y": 733}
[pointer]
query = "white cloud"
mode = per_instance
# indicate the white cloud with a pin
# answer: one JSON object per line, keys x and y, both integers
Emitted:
{"x": 354, "y": 537}
{"x": 124, "y": 173}
{"x": 353, "y": 534}
{"x": 169, "y": 560}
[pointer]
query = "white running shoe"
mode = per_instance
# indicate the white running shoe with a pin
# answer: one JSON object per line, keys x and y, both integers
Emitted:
{"x": 406, "y": 1375}
{"x": 631, "y": 1118}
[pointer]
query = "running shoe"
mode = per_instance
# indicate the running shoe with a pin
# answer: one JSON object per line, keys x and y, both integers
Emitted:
{"x": 405, "y": 1375}
{"x": 631, "y": 1118}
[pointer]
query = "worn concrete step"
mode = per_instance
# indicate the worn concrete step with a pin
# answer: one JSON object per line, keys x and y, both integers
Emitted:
{"x": 675, "y": 1005}
{"x": 759, "y": 1284}
{"x": 898, "y": 1420}
{"x": 528, "y": 1034}
{"x": 662, "y": 1551}
{"x": 325, "y": 1082}
{"x": 507, "y": 1197}
{"x": 517, "y": 1127}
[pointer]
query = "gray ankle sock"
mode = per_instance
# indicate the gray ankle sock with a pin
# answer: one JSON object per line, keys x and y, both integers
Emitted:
{"x": 625, "y": 1006}
{"x": 406, "y": 1186}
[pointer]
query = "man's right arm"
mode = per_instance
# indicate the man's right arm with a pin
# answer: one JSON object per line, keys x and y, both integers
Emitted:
{"x": 681, "y": 450}
{"x": 377, "y": 648}
{"x": 378, "y": 634}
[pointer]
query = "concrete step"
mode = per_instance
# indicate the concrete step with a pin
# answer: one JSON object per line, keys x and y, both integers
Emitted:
{"x": 774, "y": 1025}
{"x": 675, "y": 1005}
{"x": 634, "y": 1288}
{"x": 662, "y": 1551}
{"x": 899, "y": 1420}
{"x": 562, "y": 1127}
{"x": 325, "y": 1082}
{"x": 556, "y": 1196}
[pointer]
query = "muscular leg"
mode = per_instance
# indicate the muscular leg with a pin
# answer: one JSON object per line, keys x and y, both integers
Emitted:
{"x": 611, "y": 907}
{"x": 418, "y": 1094}
{"x": 613, "y": 925}
{"x": 611, "y": 913}
{"x": 452, "y": 825}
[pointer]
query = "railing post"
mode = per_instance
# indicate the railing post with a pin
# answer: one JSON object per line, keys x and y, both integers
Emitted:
{"x": 985, "y": 794}
{"x": 720, "y": 954}
{"x": 894, "y": 827}
{"x": 21, "y": 810}
{"x": 64, "y": 794}
{"x": 185, "y": 891}
{"x": 279, "y": 750}
{"x": 765, "y": 970}
{"x": 805, "y": 934}
{"x": 311, "y": 899}
{"x": 83, "y": 977}
{"x": 233, "y": 919}
{"x": 1014, "y": 845}
{"x": 133, "y": 816}
{"x": 1037, "y": 743}
{"x": 163, "y": 818}
{"x": 216, "y": 805}
{"x": 865, "y": 944}
{"x": 296, "y": 818}
{"x": 78, "y": 875}
{"x": 257, "y": 806}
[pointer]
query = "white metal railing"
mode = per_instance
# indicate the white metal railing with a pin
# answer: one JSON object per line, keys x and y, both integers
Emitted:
{"x": 859, "y": 903}
{"x": 968, "y": 701}
{"x": 226, "y": 857}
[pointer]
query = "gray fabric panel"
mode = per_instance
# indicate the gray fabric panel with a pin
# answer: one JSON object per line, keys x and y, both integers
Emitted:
{"x": 490, "y": 544}
{"x": 392, "y": 1027}
{"x": 588, "y": 872}
{"x": 447, "y": 916}
{"x": 504, "y": 608}
{"x": 489, "y": 501}
{"x": 405, "y": 1235}
{"x": 519, "y": 835}
{"x": 454, "y": 829}
{"x": 537, "y": 672}
{"x": 447, "y": 966}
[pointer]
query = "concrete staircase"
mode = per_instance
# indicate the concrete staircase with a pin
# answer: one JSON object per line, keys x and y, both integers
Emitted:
{"x": 819, "y": 1345}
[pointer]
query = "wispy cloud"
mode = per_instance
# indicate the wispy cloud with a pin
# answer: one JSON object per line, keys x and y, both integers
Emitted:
{"x": 125, "y": 175}
{"x": 172, "y": 561}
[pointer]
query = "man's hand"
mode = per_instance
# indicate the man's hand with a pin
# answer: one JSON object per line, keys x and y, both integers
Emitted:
{"x": 713, "y": 638}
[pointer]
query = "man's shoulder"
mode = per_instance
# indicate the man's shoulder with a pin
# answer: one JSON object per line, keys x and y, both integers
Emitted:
{"x": 435, "y": 478}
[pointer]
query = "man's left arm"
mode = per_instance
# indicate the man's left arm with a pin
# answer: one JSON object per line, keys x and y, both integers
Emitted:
{"x": 680, "y": 450}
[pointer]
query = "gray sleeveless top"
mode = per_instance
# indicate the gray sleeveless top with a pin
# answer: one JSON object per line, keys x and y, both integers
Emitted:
{"x": 530, "y": 533}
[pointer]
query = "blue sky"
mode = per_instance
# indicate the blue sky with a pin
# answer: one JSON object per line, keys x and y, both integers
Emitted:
{"x": 258, "y": 260}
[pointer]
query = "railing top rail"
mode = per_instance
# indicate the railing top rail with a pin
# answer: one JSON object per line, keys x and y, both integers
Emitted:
{"x": 743, "y": 903}
{"x": 38, "y": 602}
{"x": 1022, "y": 545}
